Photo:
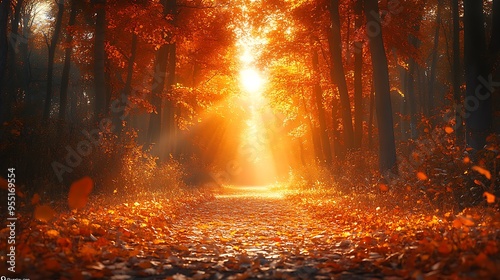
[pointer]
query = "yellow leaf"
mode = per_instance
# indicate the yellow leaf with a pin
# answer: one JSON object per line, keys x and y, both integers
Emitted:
{"x": 482, "y": 171}
{"x": 79, "y": 192}
{"x": 44, "y": 213}
{"x": 490, "y": 198}
{"x": 448, "y": 130}
{"x": 421, "y": 176}
{"x": 52, "y": 233}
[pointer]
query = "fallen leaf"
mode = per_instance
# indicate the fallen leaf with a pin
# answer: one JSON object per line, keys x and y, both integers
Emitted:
{"x": 52, "y": 233}
{"x": 448, "y": 130}
{"x": 482, "y": 171}
{"x": 383, "y": 187}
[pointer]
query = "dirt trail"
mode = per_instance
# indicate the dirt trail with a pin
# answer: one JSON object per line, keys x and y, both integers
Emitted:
{"x": 253, "y": 232}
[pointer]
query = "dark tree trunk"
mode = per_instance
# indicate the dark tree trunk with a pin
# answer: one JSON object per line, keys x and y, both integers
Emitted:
{"x": 154, "y": 129}
{"x": 50, "y": 67}
{"x": 337, "y": 73}
{"x": 370, "y": 119}
{"x": 478, "y": 113}
{"x": 4, "y": 42}
{"x": 457, "y": 74}
{"x": 387, "y": 147}
{"x": 63, "y": 95}
{"x": 316, "y": 142}
{"x": 318, "y": 98}
{"x": 358, "y": 79}
{"x": 100, "y": 59}
{"x": 494, "y": 50}
{"x": 433, "y": 73}
{"x": 16, "y": 42}
{"x": 120, "y": 112}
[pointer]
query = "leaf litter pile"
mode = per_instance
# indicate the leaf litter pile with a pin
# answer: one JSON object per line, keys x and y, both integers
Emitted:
{"x": 251, "y": 233}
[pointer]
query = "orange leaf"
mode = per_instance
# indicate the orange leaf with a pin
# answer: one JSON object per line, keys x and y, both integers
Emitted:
{"x": 490, "y": 198}
{"x": 466, "y": 160}
{"x": 44, "y": 213}
{"x": 482, "y": 171}
{"x": 383, "y": 187}
{"x": 79, "y": 193}
{"x": 445, "y": 248}
{"x": 35, "y": 199}
{"x": 421, "y": 176}
{"x": 448, "y": 130}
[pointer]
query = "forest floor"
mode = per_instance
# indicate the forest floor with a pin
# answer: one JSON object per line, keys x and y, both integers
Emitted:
{"x": 258, "y": 233}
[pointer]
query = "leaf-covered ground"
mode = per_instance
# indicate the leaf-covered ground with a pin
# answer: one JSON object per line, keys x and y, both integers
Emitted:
{"x": 255, "y": 233}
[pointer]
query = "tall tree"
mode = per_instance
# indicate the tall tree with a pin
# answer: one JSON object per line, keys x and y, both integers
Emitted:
{"x": 318, "y": 98}
{"x": 52, "y": 46}
{"x": 387, "y": 147}
{"x": 163, "y": 63}
{"x": 100, "y": 94}
{"x": 337, "y": 72}
{"x": 358, "y": 77}
{"x": 457, "y": 72}
{"x": 4, "y": 42}
{"x": 434, "y": 60}
{"x": 63, "y": 95}
{"x": 477, "y": 105}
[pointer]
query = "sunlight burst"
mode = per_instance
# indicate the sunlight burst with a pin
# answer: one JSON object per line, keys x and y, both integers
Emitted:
{"x": 251, "y": 80}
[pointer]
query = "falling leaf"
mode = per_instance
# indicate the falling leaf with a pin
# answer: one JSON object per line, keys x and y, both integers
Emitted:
{"x": 490, "y": 198}
{"x": 466, "y": 160}
{"x": 482, "y": 171}
{"x": 44, "y": 213}
{"x": 79, "y": 192}
{"x": 421, "y": 176}
{"x": 3, "y": 183}
{"x": 383, "y": 187}
{"x": 448, "y": 130}
{"x": 35, "y": 199}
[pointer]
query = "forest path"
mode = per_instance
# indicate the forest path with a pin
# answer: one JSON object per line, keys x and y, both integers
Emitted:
{"x": 253, "y": 232}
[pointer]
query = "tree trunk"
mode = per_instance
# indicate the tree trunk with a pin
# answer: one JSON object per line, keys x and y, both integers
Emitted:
{"x": 457, "y": 74}
{"x": 63, "y": 95}
{"x": 50, "y": 67}
{"x": 316, "y": 142}
{"x": 100, "y": 59}
{"x": 433, "y": 74}
{"x": 337, "y": 73}
{"x": 154, "y": 129}
{"x": 358, "y": 79}
{"x": 494, "y": 50}
{"x": 121, "y": 111}
{"x": 387, "y": 152}
{"x": 318, "y": 98}
{"x": 477, "y": 105}
{"x": 4, "y": 42}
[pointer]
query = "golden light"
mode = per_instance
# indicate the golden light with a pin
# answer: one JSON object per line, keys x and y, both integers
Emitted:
{"x": 251, "y": 80}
